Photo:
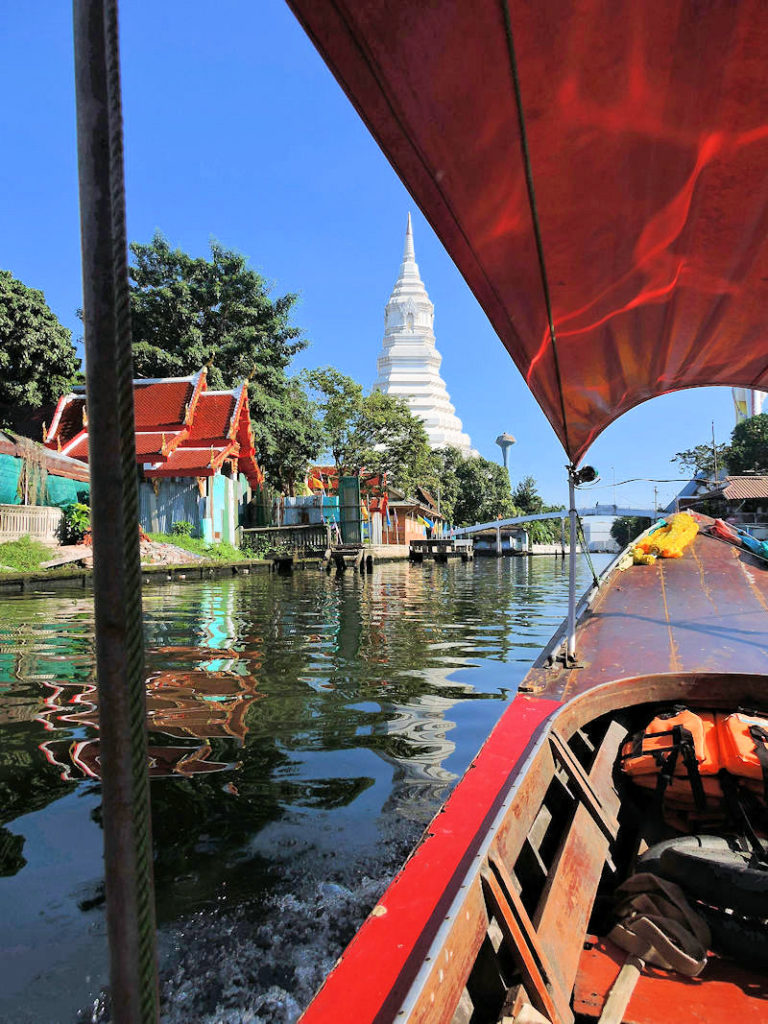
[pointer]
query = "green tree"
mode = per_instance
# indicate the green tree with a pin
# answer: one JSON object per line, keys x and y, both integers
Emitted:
{"x": 530, "y": 503}
{"x": 400, "y": 445}
{"x": 749, "y": 446}
{"x": 295, "y": 434}
{"x": 702, "y": 458}
{"x": 38, "y": 362}
{"x": 187, "y": 312}
{"x": 445, "y": 479}
{"x": 376, "y": 431}
{"x": 484, "y": 492}
{"x": 345, "y": 434}
{"x": 626, "y": 528}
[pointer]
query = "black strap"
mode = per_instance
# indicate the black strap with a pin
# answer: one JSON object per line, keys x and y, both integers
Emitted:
{"x": 673, "y": 712}
{"x": 734, "y": 802}
{"x": 688, "y": 751}
{"x": 658, "y": 755}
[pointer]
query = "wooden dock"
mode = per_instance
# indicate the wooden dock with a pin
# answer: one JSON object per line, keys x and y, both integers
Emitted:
{"x": 442, "y": 549}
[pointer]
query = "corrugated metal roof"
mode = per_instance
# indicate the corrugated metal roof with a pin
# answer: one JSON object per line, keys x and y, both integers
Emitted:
{"x": 740, "y": 487}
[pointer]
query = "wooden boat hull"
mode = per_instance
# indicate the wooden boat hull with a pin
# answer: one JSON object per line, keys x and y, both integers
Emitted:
{"x": 502, "y": 886}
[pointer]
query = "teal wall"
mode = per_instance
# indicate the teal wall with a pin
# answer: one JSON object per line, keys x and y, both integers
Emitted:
{"x": 10, "y": 469}
{"x": 60, "y": 491}
{"x": 219, "y": 497}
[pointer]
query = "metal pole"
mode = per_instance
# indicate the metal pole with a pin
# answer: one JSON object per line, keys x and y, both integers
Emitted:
{"x": 114, "y": 512}
{"x": 714, "y": 450}
{"x": 571, "y": 643}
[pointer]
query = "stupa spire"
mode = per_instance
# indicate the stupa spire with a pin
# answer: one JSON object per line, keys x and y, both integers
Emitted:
{"x": 408, "y": 252}
{"x": 409, "y": 364}
{"x": 409, "y": 268}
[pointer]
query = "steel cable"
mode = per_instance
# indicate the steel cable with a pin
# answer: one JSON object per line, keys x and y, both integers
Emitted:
{"x": 115, "y": 516}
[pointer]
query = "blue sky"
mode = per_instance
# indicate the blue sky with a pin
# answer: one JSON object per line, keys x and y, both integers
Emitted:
{"x": 235, "y": 130}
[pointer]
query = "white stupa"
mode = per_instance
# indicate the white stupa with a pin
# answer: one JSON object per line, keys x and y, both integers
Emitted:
{"x": 747, "y": 403}
{"x": 409, "y": 364}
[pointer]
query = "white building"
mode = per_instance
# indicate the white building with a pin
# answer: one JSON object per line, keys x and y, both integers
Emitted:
{"x": 409, "y": 364}
{"x": 747, "y": 403}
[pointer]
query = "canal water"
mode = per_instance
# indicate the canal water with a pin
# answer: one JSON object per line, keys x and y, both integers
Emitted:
{"x": 303, "y": 732}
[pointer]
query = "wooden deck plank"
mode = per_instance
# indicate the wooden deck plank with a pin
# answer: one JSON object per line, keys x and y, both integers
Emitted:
{"x": 704, "y": 612}
{"x": 723, "y": 993}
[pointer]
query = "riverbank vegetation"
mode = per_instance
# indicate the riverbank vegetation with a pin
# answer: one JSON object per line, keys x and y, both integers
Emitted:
{"x": 219, "y": 551}
{"x": 23, "y": 555}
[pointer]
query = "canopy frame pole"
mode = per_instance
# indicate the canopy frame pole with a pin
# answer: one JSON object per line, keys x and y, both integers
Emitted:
{"x": 570, "y": 647}
{"x": 115, "y": 518}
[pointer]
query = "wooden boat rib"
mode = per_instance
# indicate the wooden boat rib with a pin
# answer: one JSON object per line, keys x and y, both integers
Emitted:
{"x": 494, "y": 906}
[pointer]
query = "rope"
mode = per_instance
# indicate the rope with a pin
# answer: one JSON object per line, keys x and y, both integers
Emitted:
{"x": 534, "y": 210}
{"x": 115, "y": 514}
{"x": 585, "y": 548}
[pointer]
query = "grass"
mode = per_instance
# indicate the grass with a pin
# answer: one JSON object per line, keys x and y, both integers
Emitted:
{"x": 219, "y": 552}
{"x": 23, "y": 555}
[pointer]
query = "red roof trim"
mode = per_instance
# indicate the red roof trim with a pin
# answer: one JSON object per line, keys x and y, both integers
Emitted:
{"x": 69, "y": 447}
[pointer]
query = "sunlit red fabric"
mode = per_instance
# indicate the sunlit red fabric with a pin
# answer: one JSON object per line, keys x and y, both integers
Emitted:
{"x": 648, "y": 132}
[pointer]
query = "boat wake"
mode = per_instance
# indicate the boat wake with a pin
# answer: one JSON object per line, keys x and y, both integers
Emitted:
{"x": 261, "y": 963}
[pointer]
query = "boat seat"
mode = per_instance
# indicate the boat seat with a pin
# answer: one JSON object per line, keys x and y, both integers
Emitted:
{"x": 723, "y": 993}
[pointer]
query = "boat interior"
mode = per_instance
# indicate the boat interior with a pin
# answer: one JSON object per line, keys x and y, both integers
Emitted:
{"x": 573, "y": 832}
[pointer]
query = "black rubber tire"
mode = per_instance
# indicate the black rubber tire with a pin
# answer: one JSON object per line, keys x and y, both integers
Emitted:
{"x": 745, "y": 940}
{"x": 651, "y": 859}
{"x": 712, "y": 869}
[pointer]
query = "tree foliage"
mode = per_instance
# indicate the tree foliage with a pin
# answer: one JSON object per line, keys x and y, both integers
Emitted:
{"x": 295, "y": 435}
{"x": 377, "y": 432}
{"x": 702, "y": 458}
{"x": 747, "y": 452}
{"x": 626, "y": 528}
{"x": 38, "y": 362}
{"x": 400, "y": 444}
{"x": 483, "y": 491}
{"x": 749, "y": 446}
{"x": 472, "y": 490}
{"x": 189, "y": 311}
{"x": 339, "y": 400}
{"x": 529, "y": 502}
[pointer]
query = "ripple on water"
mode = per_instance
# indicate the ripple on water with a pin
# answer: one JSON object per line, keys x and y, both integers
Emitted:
{"x": 303, "y": 732}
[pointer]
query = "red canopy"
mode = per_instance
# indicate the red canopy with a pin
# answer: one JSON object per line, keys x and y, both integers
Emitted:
{"x": 647, "y": 127}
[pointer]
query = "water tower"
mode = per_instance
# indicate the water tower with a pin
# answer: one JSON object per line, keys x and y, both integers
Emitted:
{"x": 505, "y": 442}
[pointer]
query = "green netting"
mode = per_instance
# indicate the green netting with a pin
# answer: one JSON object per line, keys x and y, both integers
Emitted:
{"x": 10, "y": 468}
{"x": 62, "y": 492}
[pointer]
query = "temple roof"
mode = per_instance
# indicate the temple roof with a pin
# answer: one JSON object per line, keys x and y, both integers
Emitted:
{"x": 182, "y": 429}
{"x": 168, "y": 402}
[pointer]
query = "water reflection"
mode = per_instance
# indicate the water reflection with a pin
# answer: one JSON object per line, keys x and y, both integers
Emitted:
{"x": 301, "y": 731}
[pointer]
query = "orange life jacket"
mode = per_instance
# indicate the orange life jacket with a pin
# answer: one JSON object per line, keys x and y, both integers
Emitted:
{"x": 687, "y": 756}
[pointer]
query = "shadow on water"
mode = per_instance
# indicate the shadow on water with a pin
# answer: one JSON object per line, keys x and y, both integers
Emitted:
{"x": 302, "y": 732}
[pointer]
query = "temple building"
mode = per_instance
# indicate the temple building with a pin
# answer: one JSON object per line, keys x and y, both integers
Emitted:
{"x": 409, "y": 364}
{"x": 194, "y": 447}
